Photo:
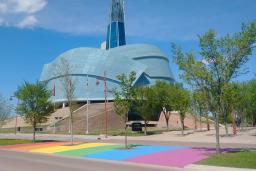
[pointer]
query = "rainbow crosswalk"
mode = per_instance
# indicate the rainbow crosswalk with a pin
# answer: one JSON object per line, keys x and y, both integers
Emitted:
{"x": 175, "y": 156}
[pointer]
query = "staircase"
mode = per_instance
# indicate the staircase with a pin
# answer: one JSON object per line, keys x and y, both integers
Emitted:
{"x": 96, "y": 119}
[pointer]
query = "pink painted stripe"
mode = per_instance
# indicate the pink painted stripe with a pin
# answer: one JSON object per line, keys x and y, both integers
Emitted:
{"x": 174, "y": 158}
{"x": 17, "y": 146}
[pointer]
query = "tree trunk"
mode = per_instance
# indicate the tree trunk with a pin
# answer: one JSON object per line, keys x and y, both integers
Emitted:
{"x": 34, "y": 132}
{"x": 166, "y": 115}
{"x": 252, "y": 121}
{"x": 234, "y": 123}
{"x": 200, "y": 122}
{"x": 182, "y": 127}
{"x": 217, "y": 133}
{"x": 242, "y": 121}
{"x": 195, "y": 123}
{"x": 145, "y": 128}
{"x": 71, "y": 129}
{"x": 207, "y": 121}
{"x": 226, "y": 129}
{"x": 125, "y": 139}
{"x": 226, "y": 125}
{"x": 69, "y": 125}
{"x": 126, "y": 144}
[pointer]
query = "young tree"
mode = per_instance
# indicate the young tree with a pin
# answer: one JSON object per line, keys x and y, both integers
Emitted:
{"x": 182, "y": 102}
{"x": 124, "y": 98}
{"x": 246, "y": 105}
{"x": 145, "y": 104}
{"x": 194, "y": 109}
{"x": 164, "y": 99}
{"x": 64, "y": 72}
{"x": 199, "y": 104}
{"x": 5, "y": 110}
{"x": 229, "y": 101}
{"x": 221, "y": 60}
{"x": 34, "y": 104}
{"x": 252, "y": 100}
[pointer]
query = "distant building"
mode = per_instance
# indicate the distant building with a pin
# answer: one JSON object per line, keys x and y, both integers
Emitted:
{"x": 103, "y": 45}
{"x": 113, "y": 58}
{"x": 116, "y": 29}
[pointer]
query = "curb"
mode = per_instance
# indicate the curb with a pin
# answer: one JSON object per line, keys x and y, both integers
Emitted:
{"x": 194, "y": 167}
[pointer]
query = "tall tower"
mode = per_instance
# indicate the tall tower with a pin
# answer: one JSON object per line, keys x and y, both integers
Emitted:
{"x": 116, "y": 29}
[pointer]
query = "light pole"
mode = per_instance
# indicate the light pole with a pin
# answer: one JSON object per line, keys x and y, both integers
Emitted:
{"x": 16, "y": 114}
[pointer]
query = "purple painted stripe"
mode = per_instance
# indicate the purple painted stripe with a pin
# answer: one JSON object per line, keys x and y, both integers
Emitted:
{"x": 174, "y": 158}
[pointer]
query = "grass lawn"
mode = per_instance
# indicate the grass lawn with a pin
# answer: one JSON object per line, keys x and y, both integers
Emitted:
{"x": 13, "y": 141}
{"x": 245, "y": 159}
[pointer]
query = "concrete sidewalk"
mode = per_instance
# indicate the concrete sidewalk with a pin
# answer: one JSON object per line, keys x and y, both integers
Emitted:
{"x": 194, "y": 167}
{"x": 246, "y": 136}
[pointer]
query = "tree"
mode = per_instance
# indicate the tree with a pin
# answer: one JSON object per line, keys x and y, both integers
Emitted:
{"x": 124, "y": 98}
{"x": 64, "y": 72}
{"x": 252, "y": 101}
{"x": 34, "y": 104}
{"x": 200, "y": 104}
{"x": 145, "y": 104}
{"x": 246, "y": 105}
{"x": 182, "y": 102}
{"x": 194, "y": 110}
{"x": 230, "y": 97}
{"x": 221, "y": 61}
{"x": 164, "y": 99}
{"x": 5, "y": 110}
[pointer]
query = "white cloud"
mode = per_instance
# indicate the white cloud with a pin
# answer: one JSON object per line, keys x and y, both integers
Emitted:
{"x": 27, "y": 22}
{"x": 1, "y": 21}
{"x": 29, "y": 6}
{"x": 22, "y": 6}
{"x": 3, "y": 8}
{"x": 204, "y": 61}
{"x": 20, "y": 13}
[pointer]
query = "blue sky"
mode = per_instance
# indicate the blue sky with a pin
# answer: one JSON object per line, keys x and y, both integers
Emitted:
{"x": 34, "y": 32}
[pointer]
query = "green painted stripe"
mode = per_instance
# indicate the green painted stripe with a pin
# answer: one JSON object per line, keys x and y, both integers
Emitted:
{"x": 87, "y": 151}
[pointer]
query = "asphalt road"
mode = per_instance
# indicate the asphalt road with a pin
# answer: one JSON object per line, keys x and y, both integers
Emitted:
{"x": 20, "y": 161}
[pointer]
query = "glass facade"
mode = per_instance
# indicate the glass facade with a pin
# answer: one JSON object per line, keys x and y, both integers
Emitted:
{"x": 116, "y": 28}
{"x": 89, "y": 64}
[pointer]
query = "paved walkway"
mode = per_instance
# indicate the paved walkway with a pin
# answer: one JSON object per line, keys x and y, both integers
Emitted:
{"x": 244, "y": 139}
{"x": 245, "y": 136}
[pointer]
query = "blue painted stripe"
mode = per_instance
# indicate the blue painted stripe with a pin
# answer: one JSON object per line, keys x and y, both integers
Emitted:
{"x": 122, "y": 154}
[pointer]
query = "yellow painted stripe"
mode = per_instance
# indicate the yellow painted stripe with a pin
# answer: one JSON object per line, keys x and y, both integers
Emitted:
{"x": 56, "y": 149}
{"x": 42, "y": 145}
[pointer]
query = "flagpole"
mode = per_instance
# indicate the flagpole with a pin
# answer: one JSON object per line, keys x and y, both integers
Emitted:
{"x": 87, "y": 107}
{"x": 106, "y": 113}
{"x": 54, "y": 107}
{"x": 54, "y": 93}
